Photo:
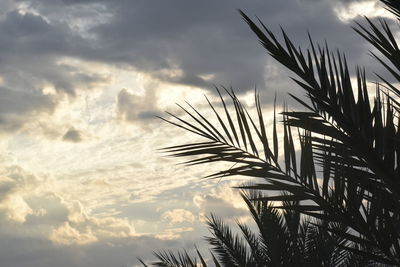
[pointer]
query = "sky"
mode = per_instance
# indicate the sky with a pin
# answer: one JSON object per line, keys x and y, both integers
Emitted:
{"x": 82, "y": 182}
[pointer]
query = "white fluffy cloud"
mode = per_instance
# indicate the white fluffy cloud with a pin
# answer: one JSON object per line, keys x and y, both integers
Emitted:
{"x": 222, "y": 201}
{"x": 178, "y": 216}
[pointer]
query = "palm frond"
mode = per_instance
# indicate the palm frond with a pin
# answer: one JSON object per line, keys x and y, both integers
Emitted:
{"x": 169, "y": 259}
{"x": 393, "y": 6}
{"x": 342, "y": 168}
{"x": 231, "y": 249}
{"x": 368, "y": 132}
{"x": 346, "y": 183}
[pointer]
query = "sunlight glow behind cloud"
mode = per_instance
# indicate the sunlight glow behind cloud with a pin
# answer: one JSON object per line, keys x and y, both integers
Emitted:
{"x": 369, "y": 8}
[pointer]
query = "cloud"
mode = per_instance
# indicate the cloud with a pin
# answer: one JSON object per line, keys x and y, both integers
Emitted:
{"x": 43, "y": 226}
{"x": 203, "y": 43}
{"x": 72, "y": 135}
{"x": 34, "y": 46}
{"x": 15, "y": 185}
{"x": 350, "y": 10}
{"x": 34, "y": 78}
{"x": 222, "y": 201}
{"x": 37, "y": 252}
{"x": 197, "y": 44}
{"x": 38, "y": 203}
{"x": 91, "y": 230}
{"x": 20, "y": 107}
{"x": 173, "y": 233}
{"x": 68, "y": 235}
{"x": 16, "y": 208}
{"x": 134, "y": 108}
{"x": 178, "y": 216}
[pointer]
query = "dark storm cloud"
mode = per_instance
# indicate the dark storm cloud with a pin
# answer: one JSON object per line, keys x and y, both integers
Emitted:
{"x": 194, "y": 43}
{"x": 31, "y": 49}
{"x": 201, "y": 38}
{"x": 209, "y": 38}
{"x": 206, "y": 41}
{"x": 16, "y": 107}
{"x": 30, "y": 53}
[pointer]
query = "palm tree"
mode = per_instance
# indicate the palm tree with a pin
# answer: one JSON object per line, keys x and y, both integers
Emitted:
{"x": 344, "y": 166}
{"x": 283, "y": 239}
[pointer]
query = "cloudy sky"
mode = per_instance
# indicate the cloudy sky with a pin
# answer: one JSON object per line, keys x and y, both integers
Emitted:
{"x": 81, "y": 181}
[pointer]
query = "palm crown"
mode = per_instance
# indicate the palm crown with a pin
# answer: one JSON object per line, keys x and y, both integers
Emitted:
{"x": 282, "y": 239}
{"x": 342, "y": 167}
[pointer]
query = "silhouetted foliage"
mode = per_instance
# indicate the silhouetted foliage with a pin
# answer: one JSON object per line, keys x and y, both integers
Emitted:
{"x": 283, "y": 238}
{"x": 341, "y": 170}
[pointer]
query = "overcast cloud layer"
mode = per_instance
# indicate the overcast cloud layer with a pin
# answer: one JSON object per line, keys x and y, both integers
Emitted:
{"x": 191, "y": 43}
{"x": 81, "y": 183}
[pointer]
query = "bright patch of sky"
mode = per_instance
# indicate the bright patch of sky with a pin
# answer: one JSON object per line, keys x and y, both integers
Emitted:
{"x": 371, "y": 9}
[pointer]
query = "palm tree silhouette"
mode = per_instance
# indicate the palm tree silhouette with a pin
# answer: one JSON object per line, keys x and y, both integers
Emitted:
{"x": 283, "y": 238}
{"x": 341, "y": 170}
